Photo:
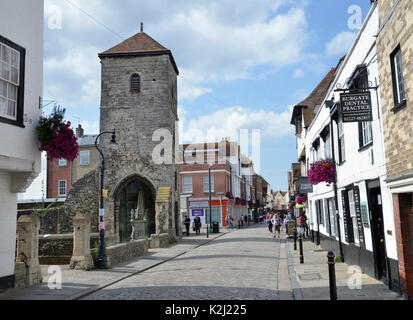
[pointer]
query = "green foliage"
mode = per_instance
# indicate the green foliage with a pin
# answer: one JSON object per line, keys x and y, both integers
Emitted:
{"x": 172, "y": 240}
{"x": 337, "y": 259}
{"x": 42, "y": 211}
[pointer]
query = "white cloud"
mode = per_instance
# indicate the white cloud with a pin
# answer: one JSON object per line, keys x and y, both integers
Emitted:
{"x": 341, "y": 43}
{"x": 214, "y": 40}
{"x": 228, "y": 123}
{"x": 298, "y": 73}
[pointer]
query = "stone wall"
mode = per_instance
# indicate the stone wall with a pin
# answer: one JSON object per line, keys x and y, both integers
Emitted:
{"x": 125, "y": 251}
{"x": 397, "y": 126}
{"x": 57, "y": 249}
{"x": 83, "y": 198}
{"x": 136, "y": 116}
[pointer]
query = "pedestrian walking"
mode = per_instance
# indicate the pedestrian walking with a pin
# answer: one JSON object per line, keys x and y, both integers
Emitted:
{"x": 187, "y": 223}
{"x": 286, "y": 220}
{"x": 276, "y": 221}
{"x": 231, "y": 222}
{"x": 269, "y": 217}
{"x": 246, "y": 219}
{"x": 197, "y": 225}
{"x": 303, "y": 222}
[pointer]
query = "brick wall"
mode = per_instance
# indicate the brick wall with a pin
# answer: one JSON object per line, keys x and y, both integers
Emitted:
{"x": 56, "y": 173}
{"x": 398, "y": 126}
{"x": 403, "y": 216}
{"x": 221, "y": 179}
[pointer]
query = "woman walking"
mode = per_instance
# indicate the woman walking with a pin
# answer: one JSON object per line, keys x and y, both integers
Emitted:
{"x": 276, "y": 221}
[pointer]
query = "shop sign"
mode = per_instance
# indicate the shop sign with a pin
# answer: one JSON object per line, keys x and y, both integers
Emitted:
{"x": 305, "y": 185}
{"x": 199, "y": 212}
{"x": 356, "y": 107}
{"x": 198, "y": 204}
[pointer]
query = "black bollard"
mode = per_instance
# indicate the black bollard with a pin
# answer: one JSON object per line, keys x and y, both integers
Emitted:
{"x": 295, "y": 238}
{"x": 301, "y": 249}
{"x": 332, "y": 275}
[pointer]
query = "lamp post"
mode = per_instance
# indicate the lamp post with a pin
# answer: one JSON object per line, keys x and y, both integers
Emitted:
{"x": 101, "y": 246}
{"x": 210, "y": 204}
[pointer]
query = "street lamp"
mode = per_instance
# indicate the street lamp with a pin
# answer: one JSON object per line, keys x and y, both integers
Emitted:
{"x": 210, "y": 204}
{"x": 101, "y": 246}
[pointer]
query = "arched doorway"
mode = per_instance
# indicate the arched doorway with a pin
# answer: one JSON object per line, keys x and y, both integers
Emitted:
{"x": 135, "y": 210}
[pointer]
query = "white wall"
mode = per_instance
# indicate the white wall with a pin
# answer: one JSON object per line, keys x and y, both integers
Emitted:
{"x": 38, "y": 189}
{"x": 8, "y": 212}
{"x": 21, "y": 22}
{"x": 358, "y": 166}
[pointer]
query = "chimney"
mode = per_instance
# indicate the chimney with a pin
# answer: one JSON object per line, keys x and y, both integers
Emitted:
{"x": 79, "y": 131}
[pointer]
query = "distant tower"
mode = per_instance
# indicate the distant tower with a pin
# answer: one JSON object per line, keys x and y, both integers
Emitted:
{"x": 139, "y": 96}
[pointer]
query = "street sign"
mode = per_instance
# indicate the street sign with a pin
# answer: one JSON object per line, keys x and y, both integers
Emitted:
{"x": 105, "y": 193}
{"x": 356, "y": 107}
{"x": 305, "y": 185}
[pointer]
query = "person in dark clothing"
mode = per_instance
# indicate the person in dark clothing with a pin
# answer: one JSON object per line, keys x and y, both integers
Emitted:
{"x": 187, "y": 224}
{"x": 197, "y": 224}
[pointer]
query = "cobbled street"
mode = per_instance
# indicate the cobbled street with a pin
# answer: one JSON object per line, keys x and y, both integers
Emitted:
{"x": 240, "y": 265}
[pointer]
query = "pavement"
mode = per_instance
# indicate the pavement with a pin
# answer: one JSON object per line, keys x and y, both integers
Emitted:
{"x": 238, "y": 264}
{"x": 312, "y": 277}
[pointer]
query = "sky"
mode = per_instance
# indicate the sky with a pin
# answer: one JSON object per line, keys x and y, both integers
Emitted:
{"x": 243, "y": 64}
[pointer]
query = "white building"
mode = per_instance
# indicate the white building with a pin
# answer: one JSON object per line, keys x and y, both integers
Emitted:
{"x": 21, "y": 85}
{"x": 366, "y": 227}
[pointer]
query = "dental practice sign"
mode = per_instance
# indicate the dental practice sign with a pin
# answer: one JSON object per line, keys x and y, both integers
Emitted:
{"x": 356, "y": 107}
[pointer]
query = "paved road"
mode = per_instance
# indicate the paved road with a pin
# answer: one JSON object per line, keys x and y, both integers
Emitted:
{"x": 241, "y": 265}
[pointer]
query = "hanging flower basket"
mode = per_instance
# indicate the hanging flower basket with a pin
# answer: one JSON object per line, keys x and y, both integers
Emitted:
{"x": 301, "y": 198}
{"x": 321, "y": 171}
{"x": 301, "y": 205}
{"x": 56, "y": 137}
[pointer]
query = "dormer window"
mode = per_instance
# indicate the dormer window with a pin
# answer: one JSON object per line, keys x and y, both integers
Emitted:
{"x": 135, "y": 83}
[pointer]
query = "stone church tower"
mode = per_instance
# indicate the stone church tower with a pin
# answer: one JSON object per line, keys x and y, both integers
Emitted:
{"x": 139, "y": 97}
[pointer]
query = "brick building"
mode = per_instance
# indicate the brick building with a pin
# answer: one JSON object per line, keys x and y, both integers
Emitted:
{"x": 231, "y": 181}
{"x": 395, "y": 62}
{"x": 62, "y": 174}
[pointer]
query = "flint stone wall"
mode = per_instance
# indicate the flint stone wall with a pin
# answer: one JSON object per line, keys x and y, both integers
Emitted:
{"x": 57, "y": 249}
{"x": 83, "y": 198}
{"x": 125, "y": 251}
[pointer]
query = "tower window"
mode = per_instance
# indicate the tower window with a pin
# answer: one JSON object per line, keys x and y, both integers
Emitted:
{"x": 135, "y": 83}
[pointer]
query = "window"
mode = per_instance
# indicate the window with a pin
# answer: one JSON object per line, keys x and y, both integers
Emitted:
{"x": 135, "y": 83}
{"x": 319, "y": 211}
{"x": 12, "y": 59}
{"x": 61, "y": 188}
{"x": 206, "y": 183}
{"x": 327, "y": 147}
{"x": 62, "y": 162}
{"x": 333, "y": 219}
{"x": 397, "y": 75}
{"x": 353, "y": 216}
{"x": 327, "y": 216}
{"x": 187, "y": 184}
{"x": 365, "y": 133}
{"x": 341, "y": 143}
{"x": 84, "y": 157}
